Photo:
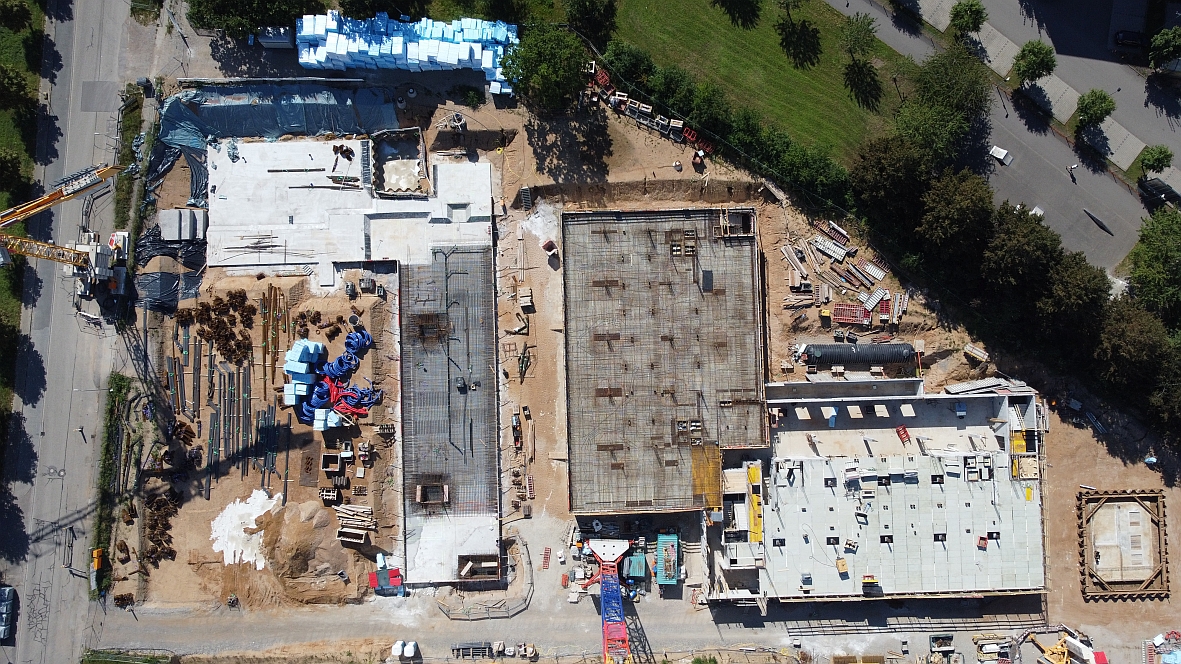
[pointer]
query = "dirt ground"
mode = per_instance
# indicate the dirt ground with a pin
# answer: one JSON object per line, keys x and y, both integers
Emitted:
{"x": 303, "y": 554}
{"x": 1075, "y": 456}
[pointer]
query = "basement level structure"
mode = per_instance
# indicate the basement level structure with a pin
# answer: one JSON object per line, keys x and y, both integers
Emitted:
{"x": 664, "y": 355}
{"x": 884, "y": 490}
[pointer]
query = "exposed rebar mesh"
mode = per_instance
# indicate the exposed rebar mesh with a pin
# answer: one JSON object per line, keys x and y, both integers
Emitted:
{"x": 664, "y": 352}
{"x": 449, "y": 332}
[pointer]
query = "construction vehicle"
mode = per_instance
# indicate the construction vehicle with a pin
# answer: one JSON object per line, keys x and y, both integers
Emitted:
{"x": 89, "y": 261}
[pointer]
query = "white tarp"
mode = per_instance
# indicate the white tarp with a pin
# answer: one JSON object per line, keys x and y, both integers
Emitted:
{"x": 229, "y": 529}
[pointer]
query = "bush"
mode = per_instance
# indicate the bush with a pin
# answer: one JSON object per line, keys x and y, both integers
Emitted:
{"x": 711, "y": 110}
{"x": 547, "y": 67}
{"x": 14, "y": 86}
{"x": 15, "y": 14}
{"x": 1165, "y": 47}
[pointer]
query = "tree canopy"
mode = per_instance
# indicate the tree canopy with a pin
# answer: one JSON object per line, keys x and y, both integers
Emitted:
{"x": 968, "y": 16}
{"x": 1132, "y": 344}
{"x": 547, "y": 66}
{"x": 1165, "y": 46}
{"x": 1156, "y": 158}
{"x": 936, "y": 129}
{"x": 241, "y": 17}
{"x": 1094, "y": 106}
{"x": 956, "y": 79}
{"x": 633, "y": 64}
{"x": 594, "y": 19}
{"x": 858, "y": 34}
{"x": 1035, "y": 60}
{"x": 956, "y": 224}
{"x": 1022, "y": 250}
{"x": 889, "y": 179}
{"x": 1156, "y": 265}
{"x": 14, "y": 14}
{"x": 14, "y": 85}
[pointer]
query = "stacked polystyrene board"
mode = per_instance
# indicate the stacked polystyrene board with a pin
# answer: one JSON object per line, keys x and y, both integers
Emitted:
{"x": 298, "y": 363}
{"x": 332, "y": 41}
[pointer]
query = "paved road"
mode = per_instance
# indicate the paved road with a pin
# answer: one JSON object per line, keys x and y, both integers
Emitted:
{"x": 62, "y": 369}
{"x": 1079, "y": 32}
{"x": 1037, "y": 176}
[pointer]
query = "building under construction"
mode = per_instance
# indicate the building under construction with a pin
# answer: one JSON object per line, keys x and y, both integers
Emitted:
{"x": 664, "y": 355}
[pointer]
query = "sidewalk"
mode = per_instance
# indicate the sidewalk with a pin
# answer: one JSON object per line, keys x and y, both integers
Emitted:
{"x": 1051, "y": 93}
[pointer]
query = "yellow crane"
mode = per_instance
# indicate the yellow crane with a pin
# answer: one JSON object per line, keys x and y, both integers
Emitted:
{"x": 1055, "y": 654}
{"x": 91, "y": 260}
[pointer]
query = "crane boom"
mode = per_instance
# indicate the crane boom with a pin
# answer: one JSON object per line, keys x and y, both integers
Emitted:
{"x": 26, "y": 247}
{"x": 63, "y": 191}
{"x": 616, "y": 645}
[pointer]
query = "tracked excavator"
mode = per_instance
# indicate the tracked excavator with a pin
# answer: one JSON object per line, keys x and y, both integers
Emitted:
{"x": 89, "y": 260}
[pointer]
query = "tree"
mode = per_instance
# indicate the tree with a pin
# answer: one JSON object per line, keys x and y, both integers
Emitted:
{"x": 1071, "y": 312}
{"x": 14, "y": 14}
{"x": 594, "y": 19}
{"x": 711, "y": 110}
{"x": 673, "y": 87}
{"x": 1035, "y": 60}
{"x": 11, "y": 162}
{"x": 1156, "y": 158}
{"x": 956, "y": 224}
{"x": 1093, "y": 108}
{"x": 1133, "y": 343}
{"x": 1165, "y": 47}
{"x": 632, "y": 64}
{"x": 1156, "y": 266}
{"x": 1021, "y": 253}
{"x": 956, "y": 79}
{"x": 14, "y": 85}
{"x": 889, "y": 179}
{"x": 547, "y": 66}
{"x": 968, "y": 16}
{"x": 241, "y": 17}
{"x": 937, "y": 130}
{"x": 858, "y": 34}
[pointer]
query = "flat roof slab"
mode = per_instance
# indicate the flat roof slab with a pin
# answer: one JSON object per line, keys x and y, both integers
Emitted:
{"x": 664, "y": 355}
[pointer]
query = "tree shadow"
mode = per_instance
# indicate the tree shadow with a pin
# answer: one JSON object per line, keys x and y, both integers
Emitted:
{"x": 30, "y": 368}
{"x": 571, "y": 148}
{"x": 57, "y": 10}
{"x": 800, "y": 40}
{"x": 1031, "y": 116}
{"x": 743, "y": 13}
{"x": 973, "y": 153}
{"x": 235, "y": 58}
{"x": 41, "y": 55}
{"x": 1165, "y": 101}
{"x": 20, "y": 465}
{"x": 40, "y": 132}
{"x": 1092, "y": 142}
{"x": 1036, "y": 94}
{"x": 862, "y": 80}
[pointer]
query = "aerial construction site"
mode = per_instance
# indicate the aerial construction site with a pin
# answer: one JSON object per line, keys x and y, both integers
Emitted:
{"x": 398, "y": 362}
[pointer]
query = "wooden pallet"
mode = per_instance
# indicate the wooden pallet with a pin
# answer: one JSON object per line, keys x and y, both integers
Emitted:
{"x": 545, "y": 558}
{"x": 529, "y": 487}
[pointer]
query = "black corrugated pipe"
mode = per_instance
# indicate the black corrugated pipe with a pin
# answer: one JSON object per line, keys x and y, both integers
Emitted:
{"x": 876, "y": 354}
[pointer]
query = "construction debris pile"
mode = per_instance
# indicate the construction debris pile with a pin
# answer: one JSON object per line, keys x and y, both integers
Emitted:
{"x": 157, "y": 524}
{"x": 321, "y": 390}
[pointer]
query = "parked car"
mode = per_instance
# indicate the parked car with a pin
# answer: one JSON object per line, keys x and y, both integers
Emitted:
{"x": 7, "y": 611}
{"x": 1130, "y": 38}
{"x": 1158, "y": 189}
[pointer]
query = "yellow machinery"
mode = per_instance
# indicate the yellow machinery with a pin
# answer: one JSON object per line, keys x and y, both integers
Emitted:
{"x": 1055, "y": 654}
{"x": 91, "y": 260}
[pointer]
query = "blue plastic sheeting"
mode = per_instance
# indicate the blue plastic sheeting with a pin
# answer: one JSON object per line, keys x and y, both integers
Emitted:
{"x": 192, "y": 118}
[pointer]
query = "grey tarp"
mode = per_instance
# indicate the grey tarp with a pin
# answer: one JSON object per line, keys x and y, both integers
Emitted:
{"x": 190, "y": 285}
{"x": 158, "y": 291}
{"x": 190, "y": 253}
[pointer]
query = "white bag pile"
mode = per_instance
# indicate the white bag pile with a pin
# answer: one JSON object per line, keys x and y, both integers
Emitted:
{"x": 332, "y": 41}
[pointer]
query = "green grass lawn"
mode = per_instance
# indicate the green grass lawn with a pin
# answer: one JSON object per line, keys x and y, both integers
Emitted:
{"x": 812, "y": 104}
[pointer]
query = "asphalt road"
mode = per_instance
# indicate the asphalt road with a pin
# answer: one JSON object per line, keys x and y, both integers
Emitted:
{"x": 62, "y": 367}
{"x": 1079, "y": 32}
{"x": 1037, "y": 175}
